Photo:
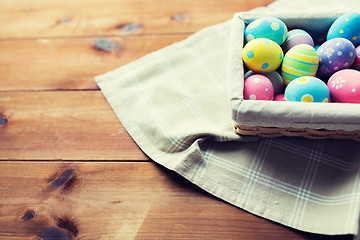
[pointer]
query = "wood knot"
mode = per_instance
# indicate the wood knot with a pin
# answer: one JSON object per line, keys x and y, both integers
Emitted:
{"x": 64, "y": 178}
{"x": 64, "y": 20}
{"x": 52, "y": 233}
{"x": 106, "y": 45}
{"x": 28, "y": 215}
{"x": 69, "y": 225}
{"x": 129, "y": 27}
{"x": 179, "y": 17}
{"x": 3, "y": 119}
{"x": 65, "y": 181}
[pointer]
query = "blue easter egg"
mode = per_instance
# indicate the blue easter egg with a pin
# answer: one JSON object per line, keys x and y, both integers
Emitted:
{"x": 334, "y": 55}
{"x": 307, "y": 89}
{"x": 266, "y": 27}
{"x": 347, "y": 26}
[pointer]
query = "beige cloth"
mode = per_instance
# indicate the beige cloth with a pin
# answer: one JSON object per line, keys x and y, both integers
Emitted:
{"x": 175, "y": 105}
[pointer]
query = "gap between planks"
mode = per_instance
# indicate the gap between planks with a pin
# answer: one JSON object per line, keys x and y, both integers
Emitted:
{"x": 49, "y": 90}
{"x": 133, "y": 35}
{"x": 74, "y": 161}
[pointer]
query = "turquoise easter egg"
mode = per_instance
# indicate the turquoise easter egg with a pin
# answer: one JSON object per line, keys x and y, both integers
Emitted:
{"x": 347, "y": 26}
{"x": 266, "y": 27}
{"x": 301, "y": 60}
{"x": 307, "y": 89}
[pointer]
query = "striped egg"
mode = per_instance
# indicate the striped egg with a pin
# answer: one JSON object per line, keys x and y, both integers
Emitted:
{"x": 295, "y": 37}
{"x": 301, "y": 60}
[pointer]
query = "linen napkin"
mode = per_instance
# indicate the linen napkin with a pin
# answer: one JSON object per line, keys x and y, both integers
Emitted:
{"x": 174, "y": 103}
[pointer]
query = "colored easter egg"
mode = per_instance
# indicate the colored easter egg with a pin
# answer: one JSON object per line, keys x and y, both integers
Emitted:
{"x": 334, "y": 55}
{"x": 274, "y": 77}
{"x": 307, "y": 89}
{"x": 279, "y": 97}
{"x": 356, "y": 64}
{"x": 347, "y": 26}
{"x": 295, "y": 37}
{"x": 344, "y": 86}
{"x": 301, "y": 60}
{"x": 258, "y": 87}
{"x": 262, "y": 55}
{"x": 266, "y": 27}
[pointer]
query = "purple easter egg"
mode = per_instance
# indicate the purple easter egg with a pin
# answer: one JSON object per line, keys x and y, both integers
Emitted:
{"x": 356, "y": 64}
{"x": 334, "y": 55}
{"x": 295, "y": 37}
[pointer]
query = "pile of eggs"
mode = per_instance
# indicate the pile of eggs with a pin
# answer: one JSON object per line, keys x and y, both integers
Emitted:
{"x": 287, "y": 66}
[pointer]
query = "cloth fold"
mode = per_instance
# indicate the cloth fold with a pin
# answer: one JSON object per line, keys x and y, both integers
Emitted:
{"x": 174, "y": 103}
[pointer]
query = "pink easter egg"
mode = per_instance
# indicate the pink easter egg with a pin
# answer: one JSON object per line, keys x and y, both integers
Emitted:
{"x": 258, "y": 87}
{"x": 356, "y": 64}
{"x": 279, "y": 97}
{"x": 344, "y": 86}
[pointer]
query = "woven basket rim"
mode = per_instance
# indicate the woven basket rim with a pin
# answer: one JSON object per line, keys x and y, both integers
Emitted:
{"x": 272, "y": 132}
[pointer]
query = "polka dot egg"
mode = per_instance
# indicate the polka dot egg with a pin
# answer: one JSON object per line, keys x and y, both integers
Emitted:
{"x": 295, "y": 37}
{"x": 267, "y": 27}
{"x": 356, "y": 64}
{"x": 307, "y": 89}
{"x": 274, "y": 77}
{"x": 347, "y": 26}
{"x": 258, "y": 87}
{"x": 334, "y": 55}
{"x": 301, "y": 60}
{"x": 262, "y": 55}
{"x": 344, "y": 86}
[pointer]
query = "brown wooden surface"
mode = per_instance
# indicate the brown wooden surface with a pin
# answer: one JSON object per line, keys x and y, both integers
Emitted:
{"x": 69, "y": 63}
{"x": 118, "y": 201}
{"x": 66, "y": 125}
{"x": 68, "y": 18}
{"x": 68, "y": 168}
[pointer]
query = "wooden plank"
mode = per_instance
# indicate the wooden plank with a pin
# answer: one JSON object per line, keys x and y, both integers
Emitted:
{"x": 62, "y": 125}
{"x": 119, "y": 201}
{"x": 70, "y": 63}
{"x": 68, "y": 18}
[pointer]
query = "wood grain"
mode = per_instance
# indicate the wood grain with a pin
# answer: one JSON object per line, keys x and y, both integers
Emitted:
{"x": 118, "y": 201}
{"x": 67, "y": 18}
{"x": 48, "y": 64}
{"x": 62, "y": 125}
{"x": 68, "y": 168}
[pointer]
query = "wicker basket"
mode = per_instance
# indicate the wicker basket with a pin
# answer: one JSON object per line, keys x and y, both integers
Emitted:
{"x": 277, "y": 118}
{"x": 296, "y": 132}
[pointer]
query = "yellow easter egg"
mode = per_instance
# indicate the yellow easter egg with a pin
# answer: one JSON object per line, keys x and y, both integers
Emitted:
{"x": 262, "y": 55}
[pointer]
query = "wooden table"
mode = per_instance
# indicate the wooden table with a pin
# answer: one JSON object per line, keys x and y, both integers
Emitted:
{"x": 68, "y": 168}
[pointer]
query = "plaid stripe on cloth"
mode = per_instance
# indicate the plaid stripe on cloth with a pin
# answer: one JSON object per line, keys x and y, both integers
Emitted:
{"x": 174, "y": 104}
